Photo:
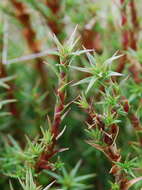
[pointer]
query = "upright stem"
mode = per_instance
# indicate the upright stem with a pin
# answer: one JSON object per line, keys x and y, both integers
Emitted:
{"x": 110, "y": 148}
{"x": 59, "y": 107}
{"x": 30, "y": 36}
{"x": 50, "y": 151}
{"x": 129, "y": 37}
{"x": 10, "y": 92}
{"x": 135, "y": 24}
{"x": 54, "y": 23}
{"x": 91, "y": 39}
{"x": 125, "y": 35}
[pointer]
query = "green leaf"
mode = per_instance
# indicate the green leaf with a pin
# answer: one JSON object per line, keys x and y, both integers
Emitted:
{"x": 91, "y": 59}
{"x": 5, "y": 114}
{"x": 84, "y": 177}
{"x": 72, "y": 42}
{"x": 57, "y": 42}
{"x": 79, "y": 52}
{"x": 48, "y": 186}
{"x": 86, "y": 80}
{"x": 112, "y": 73}
{"x": 113, "y": 58}
{"x": 92, "y": 82}
{"x": 11, "y": 187}
{"x": 2, "y": 103}
{"x": 81, "y": 69}
{"x": 53, "y": 175}
{"x": 75, "y": 169}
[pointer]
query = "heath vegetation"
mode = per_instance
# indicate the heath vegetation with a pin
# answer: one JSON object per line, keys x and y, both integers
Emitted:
{"x": 70, "y": 95}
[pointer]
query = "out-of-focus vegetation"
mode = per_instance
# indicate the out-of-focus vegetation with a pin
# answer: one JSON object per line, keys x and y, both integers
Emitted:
{"x": 70, "y": 95}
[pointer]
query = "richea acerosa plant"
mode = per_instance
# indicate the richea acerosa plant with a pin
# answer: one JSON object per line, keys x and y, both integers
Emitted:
{"x": 70, "y": 95}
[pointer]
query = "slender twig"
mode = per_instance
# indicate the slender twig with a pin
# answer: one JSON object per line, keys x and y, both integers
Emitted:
{"x": 31, "y": 56}
{"x": 5, "y": 42}
{"x": 3, "y": 72}
{"x": 43, "y": 162}
{"x": 125, "y": 35}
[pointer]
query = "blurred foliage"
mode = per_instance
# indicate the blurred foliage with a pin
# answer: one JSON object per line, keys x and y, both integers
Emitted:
{"x": 61, "y": 65}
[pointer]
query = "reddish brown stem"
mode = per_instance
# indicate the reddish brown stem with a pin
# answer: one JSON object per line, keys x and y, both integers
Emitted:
{"x": 134, "y": 17}
{"x": 110, "y": 149}
{"x": 59, "y": 106}
{"x": 125, "y": 36}
{"x": 54, "y": 23}
{"x": 49, "y": 152}
{"x": 91, "y": 40}
{"x": 108, "y": 141}
{"x": 135, "y": 73}
{"x": 129, "y": 37}
{"x": 133, "y": 118}
{"x": 30, "y": 36}
{"x": 135, "y": 24}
